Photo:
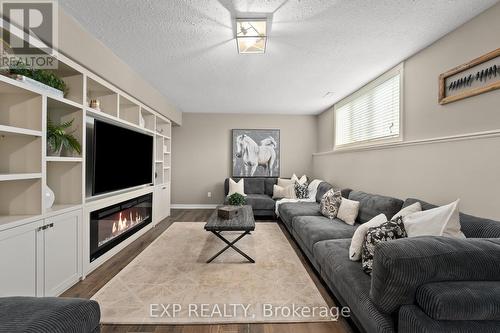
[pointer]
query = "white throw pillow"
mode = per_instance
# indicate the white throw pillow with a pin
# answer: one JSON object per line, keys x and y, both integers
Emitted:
{"x": 440, "y": 221}
{"x": 280, "y": 192}
{"x": 236, "y": 187}
{"x": 301, "y": 181}
{"x": 416, "y": 207}
{"x": 348, "y": 211}
{"x": 359, "y": 236}
{"x": 285, "y": 182}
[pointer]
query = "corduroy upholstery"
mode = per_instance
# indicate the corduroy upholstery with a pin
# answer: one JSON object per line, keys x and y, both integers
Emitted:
{"x": 49, "y": 315}
{"x": 289, "y": 210}
{"x": 313, "y": 229}
{"x": 460, "y": 300}
{"x": 401, "y": 266}
{"x": 346, "y": 278}
{"x": 371, "y": 205}
{"x": 472, "y": 226}
{"x": 413, "y": 320}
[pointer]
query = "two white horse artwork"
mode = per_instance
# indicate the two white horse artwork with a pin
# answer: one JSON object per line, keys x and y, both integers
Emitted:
{"x": 252, "y": 159}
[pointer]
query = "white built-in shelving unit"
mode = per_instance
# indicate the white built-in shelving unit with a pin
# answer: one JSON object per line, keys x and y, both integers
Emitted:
{"x": 26, "y": 227}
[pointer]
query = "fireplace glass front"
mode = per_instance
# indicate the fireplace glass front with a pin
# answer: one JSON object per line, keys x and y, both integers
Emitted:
{"x": 112, "y": 225}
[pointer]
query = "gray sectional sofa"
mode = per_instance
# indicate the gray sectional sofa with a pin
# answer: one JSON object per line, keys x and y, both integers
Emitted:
{"x": 259, "y": 193}
{"x": 49, "y": 315}
{"x": 421, "y": 284}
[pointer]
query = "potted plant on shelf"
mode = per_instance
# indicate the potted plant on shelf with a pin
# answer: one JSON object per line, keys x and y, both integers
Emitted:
{"x": 40, "y": 78}
{"x": 58, "y": 138}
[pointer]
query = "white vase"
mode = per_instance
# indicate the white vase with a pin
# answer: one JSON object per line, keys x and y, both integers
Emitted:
{"x": 50, "y": 197}
{"x": 142, "y": 122}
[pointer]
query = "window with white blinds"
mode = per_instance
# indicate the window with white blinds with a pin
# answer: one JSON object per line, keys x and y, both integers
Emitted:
{"x": 371, "y": 114}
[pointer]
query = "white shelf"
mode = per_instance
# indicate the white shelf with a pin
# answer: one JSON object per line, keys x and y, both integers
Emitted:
{"x": 165, "y": 168}
{"x": 159, "y": 161}
{"x": 19, "y": 176}
{"x": 10, "y": 130}
{"x": 11, "y": 221}
{"x": 60, "y": 209}
{"x": 66, "y": 101}
{"x": 63, "y": 159}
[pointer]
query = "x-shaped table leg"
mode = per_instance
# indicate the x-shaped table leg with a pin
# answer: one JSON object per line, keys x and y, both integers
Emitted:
{"x": 231, "y": 245}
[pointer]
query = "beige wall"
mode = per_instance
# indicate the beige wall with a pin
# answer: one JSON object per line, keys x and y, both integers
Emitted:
{"x": 201, "y": 151}
{"x": 82, "y": 47}
{"x": 437, "y": 172}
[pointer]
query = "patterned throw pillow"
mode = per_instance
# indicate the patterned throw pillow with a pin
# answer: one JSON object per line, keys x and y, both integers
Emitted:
{"x": 385, "y": 232}
{"x": 302, "y": 190}
{"x": 330, "y": 203}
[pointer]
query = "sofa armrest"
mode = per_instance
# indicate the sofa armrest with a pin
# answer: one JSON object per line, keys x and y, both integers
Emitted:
{"x": 403, "y": 265}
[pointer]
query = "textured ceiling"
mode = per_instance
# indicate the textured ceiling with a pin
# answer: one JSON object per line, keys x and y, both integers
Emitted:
{"x": 185, "y": 48}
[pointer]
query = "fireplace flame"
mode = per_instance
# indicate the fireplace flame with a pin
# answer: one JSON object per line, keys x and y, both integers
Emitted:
{"x": 123, "y": 224}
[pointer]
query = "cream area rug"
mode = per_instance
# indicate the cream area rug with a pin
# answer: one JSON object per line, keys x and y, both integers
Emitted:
{"x": 171, "y": 283}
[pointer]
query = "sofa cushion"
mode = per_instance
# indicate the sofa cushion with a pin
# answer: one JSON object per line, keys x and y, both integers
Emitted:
{"x": 373, "y": 204}
{"x": 471, "y": 226}
{"x": 323, "y": 187}
{"x": 269, "y": 184}
{"x": 49, "y": 314}
{"x": 348, "y": 282}
{"x": 289, "y": 210}
{"x": 413, "y": 320}
{"x": 254, "y": 186}
{"x": 260, "y": 201}
{"x": 460, "y": 300}
{"x": 312, "y": 229}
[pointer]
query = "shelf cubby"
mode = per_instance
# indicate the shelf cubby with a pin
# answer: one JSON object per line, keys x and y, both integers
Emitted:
{"x": 59, "y": 112}
{"x": 20, "y": 107}
{"x": 159, "y": 173}
{"x": 65, "y": 179}
{"x": 108, "y": 99}
{"x": 20, "y": 198}
{"x": 159, "y": 148}
{"x": 149, "y": 119}
{"x": 163, "y": 127}
{"x": 73, "y": 79}
{"x": 20, "y": 153}
{"x": 129, "y": 111}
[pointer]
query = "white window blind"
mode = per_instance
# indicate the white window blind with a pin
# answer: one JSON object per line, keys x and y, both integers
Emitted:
{"x": 373, "y": 113}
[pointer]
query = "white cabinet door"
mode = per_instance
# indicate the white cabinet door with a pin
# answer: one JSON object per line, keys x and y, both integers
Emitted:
{"x": 161, "y": 203}
{"x": 61, "y": 252}
{"x": 18, "y": 260}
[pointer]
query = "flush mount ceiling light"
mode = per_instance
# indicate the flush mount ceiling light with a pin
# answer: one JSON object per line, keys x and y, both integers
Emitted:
{"x": 251, "y": 35}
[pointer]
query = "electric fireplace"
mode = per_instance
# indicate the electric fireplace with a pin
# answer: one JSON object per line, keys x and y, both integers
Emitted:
{"x": 112, "y": 225}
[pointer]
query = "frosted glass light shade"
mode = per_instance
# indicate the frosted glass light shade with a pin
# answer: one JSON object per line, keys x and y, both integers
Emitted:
{"x": 251, "y": 35}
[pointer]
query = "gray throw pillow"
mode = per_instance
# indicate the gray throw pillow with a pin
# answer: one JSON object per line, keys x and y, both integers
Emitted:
{"x": 330, "y": 203}
{"x": 385, "y": 232}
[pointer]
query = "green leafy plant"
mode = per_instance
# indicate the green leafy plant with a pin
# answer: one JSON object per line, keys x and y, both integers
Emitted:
{"x": 39, "y": 75}
{"x": 236, "y": 199}
{"x": 58, "y": 137}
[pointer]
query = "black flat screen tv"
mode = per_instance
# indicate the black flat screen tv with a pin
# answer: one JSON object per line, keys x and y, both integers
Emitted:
{"x": 122, "y": 158}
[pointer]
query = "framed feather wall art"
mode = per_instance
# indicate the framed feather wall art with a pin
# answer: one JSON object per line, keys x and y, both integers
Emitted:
{"x": 470, "y": 79}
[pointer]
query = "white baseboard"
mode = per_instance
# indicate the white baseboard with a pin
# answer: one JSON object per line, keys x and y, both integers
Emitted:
{"x": 193, "y": 206}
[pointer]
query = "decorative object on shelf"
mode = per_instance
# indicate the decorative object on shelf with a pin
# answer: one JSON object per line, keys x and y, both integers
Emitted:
{"x": 142, "y": 121}
{"x": 473, "y": 78}
{"x": 58, "y": 138}
{"x": 40, "y": 78}
{"x": 95, "y": 104}
{"x": 236, "y": 199}
{"x": 227, "y": 212}
{"x": 50, "y": 197}
{"x": 256, "y": 152}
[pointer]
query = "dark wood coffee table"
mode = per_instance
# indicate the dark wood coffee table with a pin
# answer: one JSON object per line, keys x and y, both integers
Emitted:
{"x": 243, "y": 222}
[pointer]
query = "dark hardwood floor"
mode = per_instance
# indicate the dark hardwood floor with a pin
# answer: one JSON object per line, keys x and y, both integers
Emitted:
{"x": 98, "y": 278}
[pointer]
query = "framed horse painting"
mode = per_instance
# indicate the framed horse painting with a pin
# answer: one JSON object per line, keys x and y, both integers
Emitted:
{"x": 256, "y": 153}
